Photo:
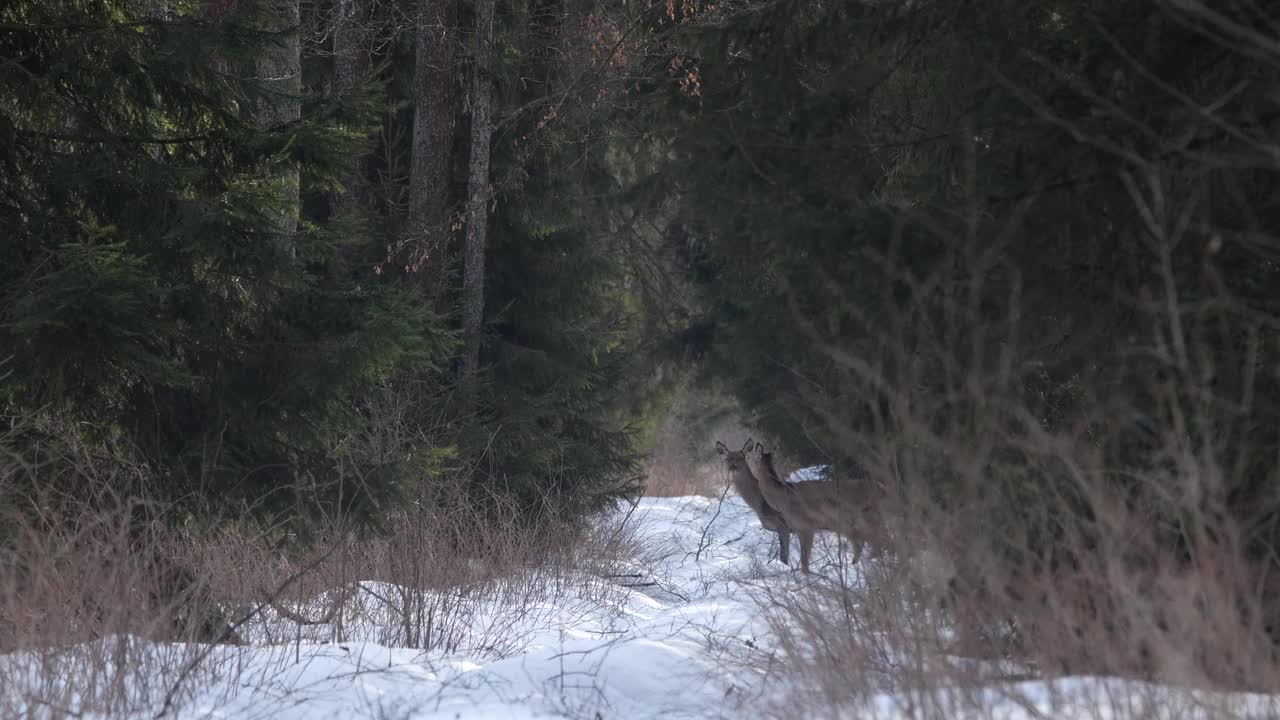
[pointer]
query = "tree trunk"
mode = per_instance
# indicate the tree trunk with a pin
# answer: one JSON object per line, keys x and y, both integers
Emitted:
{"x": 350, "y": 63}
{"x": 433, "y": 118}
{"x": 477, "y": 200}
{"x": 280, "y": 71}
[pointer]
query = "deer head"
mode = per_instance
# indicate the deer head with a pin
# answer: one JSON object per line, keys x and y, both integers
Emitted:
{"x": 735, "y": 460}
{"x": 766, "y": 464}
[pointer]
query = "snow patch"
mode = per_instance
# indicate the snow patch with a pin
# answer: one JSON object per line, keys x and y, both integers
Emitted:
{"x": 817, "y": 473}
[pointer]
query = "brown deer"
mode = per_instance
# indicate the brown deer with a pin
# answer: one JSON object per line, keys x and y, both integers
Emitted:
{"x": 749, "y": 488}
{"x": 841, "y": 505}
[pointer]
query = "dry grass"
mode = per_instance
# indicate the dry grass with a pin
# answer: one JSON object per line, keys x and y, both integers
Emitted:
{"x": 678, "y": 479}
{"x": 453, "y": 574}
{"x": 957, "y": 640}
{"x": 1023, "y": 550}
{"x": 681, "y": 463}
{"x": 106, "y": 608}
{"x": 84, "y": 600}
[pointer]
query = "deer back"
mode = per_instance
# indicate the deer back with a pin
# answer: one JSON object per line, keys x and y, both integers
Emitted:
{"x": 841, "y": 504}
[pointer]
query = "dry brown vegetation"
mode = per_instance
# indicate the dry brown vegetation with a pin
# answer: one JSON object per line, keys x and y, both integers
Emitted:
{"x": 108, "y": 606}
{"x": 1109, "y": 539}
{"x": 1032, "y": 563}
{"x": 1117, "y": 544}
{"x": 680, "y": 462}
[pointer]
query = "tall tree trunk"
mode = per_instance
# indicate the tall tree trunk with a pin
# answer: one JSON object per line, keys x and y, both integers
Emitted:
{"x": 433, "y": 118}
{"x": 350, "y": 63}
{"x": 280, "y": 71}
{"x": 477, "y": 200}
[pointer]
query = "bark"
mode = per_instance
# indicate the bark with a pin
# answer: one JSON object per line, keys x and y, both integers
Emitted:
{"x": 477, "y": 200}
{"x": 433, "y": 118}
{"x": 280, "y": 71}
{"x": 350, "y": 63}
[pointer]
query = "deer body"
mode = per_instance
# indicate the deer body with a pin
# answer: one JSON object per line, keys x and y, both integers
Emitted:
{"x": 839, "y": 505}
{"x": 745, "y": 482}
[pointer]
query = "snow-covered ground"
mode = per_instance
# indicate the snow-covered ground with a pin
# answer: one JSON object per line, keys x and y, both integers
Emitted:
{"x": 681, "y": 636}
{"x": 645, "y": 652}
{"x": 817, "y": 473}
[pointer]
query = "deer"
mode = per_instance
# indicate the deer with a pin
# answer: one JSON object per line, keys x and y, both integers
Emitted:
{"x": 749, "y": 488}
{"x": 839, "y": 505}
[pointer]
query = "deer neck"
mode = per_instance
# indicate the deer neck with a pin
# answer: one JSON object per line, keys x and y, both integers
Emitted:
{"x": 767, "y": 469}
{"x": 745, "y": 480}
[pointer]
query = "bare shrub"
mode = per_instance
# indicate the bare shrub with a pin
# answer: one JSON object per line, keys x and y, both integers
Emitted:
{"x": 965, "y": 610}
{"x": 109, "y": 606}
{"x": 670, "y": 476}
{"x": 98, "y": 610}
{"x": 680, "y": 463}
{"x": 454, "y": 574}
{"x": 1073, "y": 502}
{"x": 1113, "y": 545}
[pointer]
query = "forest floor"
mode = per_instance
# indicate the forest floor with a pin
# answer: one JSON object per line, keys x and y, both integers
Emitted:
{"x": 684, "y": 633}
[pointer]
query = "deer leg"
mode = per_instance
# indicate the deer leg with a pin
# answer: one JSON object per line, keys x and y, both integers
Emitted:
{"x": 855, "y": 541}
{"x": 784, "y": 546}
{"x": 806, "y": 549}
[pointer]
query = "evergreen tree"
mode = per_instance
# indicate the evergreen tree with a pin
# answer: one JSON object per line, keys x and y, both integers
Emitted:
{"x": 557, "y": 402}
{"x": 143, "y": 289}
{"x": 435, "y": 71}
{"x": 478, "y": 197}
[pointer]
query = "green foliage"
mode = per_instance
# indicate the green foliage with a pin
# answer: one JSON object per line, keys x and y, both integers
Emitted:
{"x": 564, "y": 373}
{"x": 145, "y": 283}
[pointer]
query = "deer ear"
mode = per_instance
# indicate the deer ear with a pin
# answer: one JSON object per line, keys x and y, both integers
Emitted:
{"x": 747, "y": 448}
{"x": 759, "y": 447}
{"x": 720, "y": 448}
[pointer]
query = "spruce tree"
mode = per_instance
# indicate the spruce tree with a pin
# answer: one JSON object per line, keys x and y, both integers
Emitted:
{"x": 141, "y": 292}
{"x": 559, "y": 368}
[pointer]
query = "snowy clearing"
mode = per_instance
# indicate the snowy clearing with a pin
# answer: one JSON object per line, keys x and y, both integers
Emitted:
{"x": 682, "y": 636}
{"x": 817, "y": 473}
